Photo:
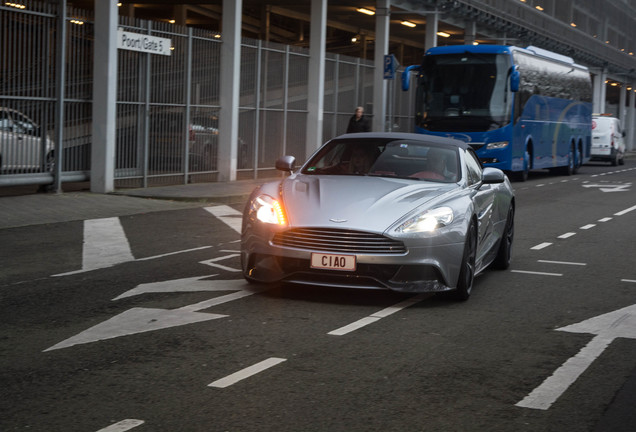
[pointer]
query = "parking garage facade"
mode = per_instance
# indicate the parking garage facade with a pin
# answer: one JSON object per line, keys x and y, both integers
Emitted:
{"x": 217, "y": 90}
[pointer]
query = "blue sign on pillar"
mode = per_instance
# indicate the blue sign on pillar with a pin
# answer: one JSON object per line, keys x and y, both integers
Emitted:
{"x": 390, "y": 64}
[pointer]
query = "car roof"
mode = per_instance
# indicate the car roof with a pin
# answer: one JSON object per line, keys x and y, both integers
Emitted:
{"x": 426, "y": 139}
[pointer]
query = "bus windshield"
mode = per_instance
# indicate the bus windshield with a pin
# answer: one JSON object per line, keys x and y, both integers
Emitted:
{"x": 464, "y": 92}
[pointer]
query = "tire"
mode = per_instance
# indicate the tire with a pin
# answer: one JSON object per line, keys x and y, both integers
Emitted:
{"x": 467, "y": 272}
{"x": 614, "y": 161}
{"x": 621, "y": 161}
{"x": 504, "y": 253}
{"x": 568, "y": 170}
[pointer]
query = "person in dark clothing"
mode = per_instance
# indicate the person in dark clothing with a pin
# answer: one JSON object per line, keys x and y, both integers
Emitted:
{"x": 358, "y": 123}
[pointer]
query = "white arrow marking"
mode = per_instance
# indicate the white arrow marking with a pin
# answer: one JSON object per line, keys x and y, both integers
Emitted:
{"x": 133, "y": 321}
{"x": 122, "y": 426}
{"x": 610, "y": 187}
{"x": 228, "y": 215}
{"x": 105, "y": 244}
{"x": 607, "y": 327}
{"x": 140, "y": 320}
{"x": 212, "y": 263}
{"x": 193, "y": 284}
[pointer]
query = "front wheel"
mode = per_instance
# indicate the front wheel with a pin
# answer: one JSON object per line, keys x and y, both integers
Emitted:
{"x": 467, "y": 272}
{"x": 504, "y": 253}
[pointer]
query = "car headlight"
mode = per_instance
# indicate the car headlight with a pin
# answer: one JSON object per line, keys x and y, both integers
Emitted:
{"x": 497, "y": 145}
{"x": 427, "y": 221}
{"x": 268, "y": 210}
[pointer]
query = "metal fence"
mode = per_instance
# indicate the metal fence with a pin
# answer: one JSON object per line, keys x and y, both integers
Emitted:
{"x": 167, "y": 106}
{"x": 30, "y": 87}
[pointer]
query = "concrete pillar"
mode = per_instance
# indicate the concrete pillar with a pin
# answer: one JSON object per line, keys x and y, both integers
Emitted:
{"x": 598, "y": 95}
{"x": 470, "y": 32}
{"x": 180, "y": 14}
{"x": 104, "y": 97}
{"x": 431, "y": 31}
{"x": 631, "y": 119}
{"x": 382, "y": 15}
{"x": 622, "y": 112}
{"x": 316, "y": 76}
{"x": 229, "y": 94}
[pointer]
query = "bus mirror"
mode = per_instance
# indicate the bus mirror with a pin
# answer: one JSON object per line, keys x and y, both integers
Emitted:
{"x": 406, "y": 76}
{"x": 514, "y": 80}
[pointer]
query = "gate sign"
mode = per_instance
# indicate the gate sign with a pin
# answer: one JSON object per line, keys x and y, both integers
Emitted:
{"x": 143, "y": 43}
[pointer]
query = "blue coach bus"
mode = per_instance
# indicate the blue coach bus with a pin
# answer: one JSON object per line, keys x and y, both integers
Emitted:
{"x": 519, "y": 108}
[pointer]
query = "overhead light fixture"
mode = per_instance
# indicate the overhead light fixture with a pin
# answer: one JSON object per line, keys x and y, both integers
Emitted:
{"x": 76, "y": 22}
{"x": 573, "y": 24}
{"x": 15, "y": 5}
{"x": 538, "y": 7}
{"x": 408, "y": 24}
{"x": 475, "y": 43}
{"x": 443, "y": 34}
{"x": 171, "y": 21}
{"x": 614, "y": 84}
{"x": 366, "y": 11}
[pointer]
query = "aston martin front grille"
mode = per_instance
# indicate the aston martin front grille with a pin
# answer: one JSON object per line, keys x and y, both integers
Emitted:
{"x": 338, "y": 241}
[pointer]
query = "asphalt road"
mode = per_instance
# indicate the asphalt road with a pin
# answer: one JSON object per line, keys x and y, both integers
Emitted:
{"x": 156, "y": 331}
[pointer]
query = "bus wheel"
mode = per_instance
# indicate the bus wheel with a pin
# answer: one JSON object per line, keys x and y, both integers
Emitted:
{"x": 569, "y": 169}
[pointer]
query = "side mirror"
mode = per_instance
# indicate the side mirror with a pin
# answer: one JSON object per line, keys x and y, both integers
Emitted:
{"x": 493, "y": 176}
{"x": 514, "y": 79}
{"x": 406, "y": 76}
{"x": 286, "y": 163}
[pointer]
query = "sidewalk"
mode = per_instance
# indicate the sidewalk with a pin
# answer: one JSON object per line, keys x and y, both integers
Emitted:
{"x": 33, "y": 208}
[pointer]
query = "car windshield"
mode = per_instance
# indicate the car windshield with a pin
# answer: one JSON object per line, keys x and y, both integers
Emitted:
{"x": 395, "y": 158}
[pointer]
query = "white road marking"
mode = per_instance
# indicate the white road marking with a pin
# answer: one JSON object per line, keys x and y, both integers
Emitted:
{"x": 566, "y": 235}
{"x": 122, "y": 426}
{"x": 607, "y": 327}
{"x": 628, "y": 280}
{"x": 605, "y": 219}
{"x": 193, "y": 284}
{"x": 588, "y": 226}
{"x": 247, "y": 372}
{"x": 141, "y": 320}
{"x": 554, "y": 386}
{"x": 227, "y": 215}
{"x": 212, "y": 263}
{"x": 621, "y": 213}
{"x": 540, "y": 246}
{"x": 105, "y": 244}
{"x": 536, "y": 273}
{"x": 173, "y": 253}
{"x": 562, "y": 262}
{"x": 138, "y": 259}
{"x": 379, "y": 315}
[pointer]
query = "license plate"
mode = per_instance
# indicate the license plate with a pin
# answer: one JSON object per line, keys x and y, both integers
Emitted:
{"x": 333, "y": 262}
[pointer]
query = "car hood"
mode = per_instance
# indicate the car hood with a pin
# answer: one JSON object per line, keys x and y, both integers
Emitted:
{"x": 352, "y": 202}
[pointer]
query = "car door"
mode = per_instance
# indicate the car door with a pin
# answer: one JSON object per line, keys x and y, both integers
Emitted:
{"x": 483, "y": 199}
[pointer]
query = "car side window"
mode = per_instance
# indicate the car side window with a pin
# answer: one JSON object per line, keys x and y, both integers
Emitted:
{"x": 5, "y": 122}
{"x": 474, "y": 168}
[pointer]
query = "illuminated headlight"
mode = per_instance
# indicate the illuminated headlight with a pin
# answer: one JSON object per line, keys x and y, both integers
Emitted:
{"x": 497, "y": 145}
{"x": 428, "y": 221}
{"x": 268, "y": 210}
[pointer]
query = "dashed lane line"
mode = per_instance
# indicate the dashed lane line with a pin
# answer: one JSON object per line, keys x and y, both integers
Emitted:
{"x": 379, "y": 315}
{"x": 122, "y": 426}
{"x": 247, "y": 372}
{"x": 536, "y": 273}
{"x": 562, "y": 262}
{"x": 541, "y": 246}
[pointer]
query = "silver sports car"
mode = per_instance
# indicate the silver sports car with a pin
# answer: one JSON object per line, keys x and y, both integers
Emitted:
{"x": 397, "y": 211}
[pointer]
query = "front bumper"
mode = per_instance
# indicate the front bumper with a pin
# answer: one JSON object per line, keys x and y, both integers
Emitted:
{"x": 422, "y": 268}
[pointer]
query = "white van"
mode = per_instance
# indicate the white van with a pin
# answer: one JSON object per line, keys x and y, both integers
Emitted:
{"x": 608, "y": 139}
